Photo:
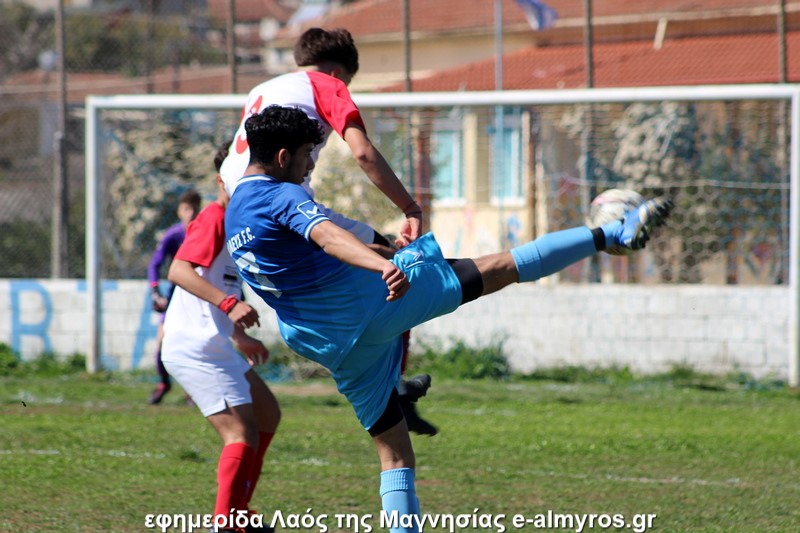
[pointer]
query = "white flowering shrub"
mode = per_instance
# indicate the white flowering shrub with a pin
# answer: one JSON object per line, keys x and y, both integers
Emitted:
{"x": 719, "y": 161}
{"x": 150, "y": 163}
{"x": 340, "y": 184}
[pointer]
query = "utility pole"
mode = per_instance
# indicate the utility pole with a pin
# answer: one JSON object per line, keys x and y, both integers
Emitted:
{"x": 150, "y": 36}
{"x": 231, "y": 44}
{"x": 497, "y": 160}
{"x": 587, "y": 137}
{"x": 60, "y": 226}
{"x": 408, "y": 162}
{"x": 407, "y": 46}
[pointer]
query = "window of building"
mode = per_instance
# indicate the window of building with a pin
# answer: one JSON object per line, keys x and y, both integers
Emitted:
{"x": 507, "y": 182}
{"x": 446, "y": 174}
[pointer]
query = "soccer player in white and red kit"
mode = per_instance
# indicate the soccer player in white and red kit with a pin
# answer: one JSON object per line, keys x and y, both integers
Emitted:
{"x": 328, "y": 60}
{"x": 203, "y": 328}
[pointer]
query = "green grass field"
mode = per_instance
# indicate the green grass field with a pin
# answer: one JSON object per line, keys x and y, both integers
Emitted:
{"x": 88, "y": 455}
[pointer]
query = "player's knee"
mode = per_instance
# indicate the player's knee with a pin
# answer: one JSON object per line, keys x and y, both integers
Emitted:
{"x": 244, "y": 434}
{"x": 268, "y": 412}
{"x": 270, "y": 419}
{"x": 392, "y": 415}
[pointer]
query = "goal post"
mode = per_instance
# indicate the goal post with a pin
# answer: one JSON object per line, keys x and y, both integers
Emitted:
{"x": 96, "y": 106}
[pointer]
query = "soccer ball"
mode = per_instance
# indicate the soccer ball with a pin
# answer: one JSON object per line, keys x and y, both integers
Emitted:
{"x": 609, "y": 206}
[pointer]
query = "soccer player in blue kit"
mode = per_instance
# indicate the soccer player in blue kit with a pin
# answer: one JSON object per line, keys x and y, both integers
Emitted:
{"x": 327, "y": 62}
{"x": 345, "y": 307}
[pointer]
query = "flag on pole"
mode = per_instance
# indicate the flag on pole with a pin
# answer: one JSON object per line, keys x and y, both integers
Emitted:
{"x": 539, "y": 14}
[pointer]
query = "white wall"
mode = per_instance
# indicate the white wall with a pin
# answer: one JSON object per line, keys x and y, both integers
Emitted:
{"x": 649, "y": 328}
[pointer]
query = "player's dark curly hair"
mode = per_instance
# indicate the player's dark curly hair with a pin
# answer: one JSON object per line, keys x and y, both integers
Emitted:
{"x": 279, "y": 127}
{"x": 316, "y": 46}
{"x": 222, "y": 153}
{"x": 192, "y": 198}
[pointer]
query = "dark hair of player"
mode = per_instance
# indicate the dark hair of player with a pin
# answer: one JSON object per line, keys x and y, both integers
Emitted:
{"x": 222, "y": 153}
{"x": 192, "y": 198}
{"x": 279, "y": 127}
{"x": 317, "y": 46}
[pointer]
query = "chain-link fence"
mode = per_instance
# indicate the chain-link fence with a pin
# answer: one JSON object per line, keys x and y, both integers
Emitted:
{"x": 724, "y": 162}
{"x": 150, "y": 159}
{"x": 728, "y": 159}
{"x": 150, "y": 47}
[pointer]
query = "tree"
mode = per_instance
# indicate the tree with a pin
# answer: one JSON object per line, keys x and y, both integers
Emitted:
{"x": 750, "y": 215}
{"x": 340, "y": 184}
{"x": 120, "y": 42}
{"x": 656, "y": 155}
{"x": 151, "y": 160}
{"x": 722, "y": 170}
{"x": 24, "y": 35}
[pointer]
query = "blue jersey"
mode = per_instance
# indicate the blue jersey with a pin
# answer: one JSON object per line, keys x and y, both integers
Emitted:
{"x": 323, "y": 305}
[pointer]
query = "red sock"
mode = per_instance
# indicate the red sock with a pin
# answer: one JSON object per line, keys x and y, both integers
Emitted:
{"x": 233, "y": 469}
{"x": 264, "y": 440}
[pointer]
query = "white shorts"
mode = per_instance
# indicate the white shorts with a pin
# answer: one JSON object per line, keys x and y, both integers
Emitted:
{"x": 212, "y": 373}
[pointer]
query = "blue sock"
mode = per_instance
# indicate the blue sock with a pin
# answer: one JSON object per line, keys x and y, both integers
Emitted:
{"x": 555, "y": 251}
{"x": 610, "y": 230}
{"x": 400, "y": 498}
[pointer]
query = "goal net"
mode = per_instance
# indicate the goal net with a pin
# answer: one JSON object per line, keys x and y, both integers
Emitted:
{"x": 492, "y": 170}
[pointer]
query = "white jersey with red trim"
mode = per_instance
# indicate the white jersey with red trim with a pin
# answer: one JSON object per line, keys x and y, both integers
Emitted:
{"x": 323, "y": 98}
{"x": 192, "y": 317}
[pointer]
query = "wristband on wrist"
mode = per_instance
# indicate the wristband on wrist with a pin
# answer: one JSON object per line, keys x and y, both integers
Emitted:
{"x": 155, "y": 288}
{"x": 228, "y": 304}
{"x": 417, "y": 211}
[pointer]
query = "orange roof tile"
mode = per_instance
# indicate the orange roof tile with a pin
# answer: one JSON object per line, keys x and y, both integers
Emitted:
{"x": 371, "y": 17}
{"x": 690, "y": 61}
{"x": 376, "y": 17}
{"x": 37, "y": 84}
{"x": 250, "y": 10}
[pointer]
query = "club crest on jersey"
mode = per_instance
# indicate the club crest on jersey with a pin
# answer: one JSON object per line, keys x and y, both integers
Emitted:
{"x": 309, "y": 209}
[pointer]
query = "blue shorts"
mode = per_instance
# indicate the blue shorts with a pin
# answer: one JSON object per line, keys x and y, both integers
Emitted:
{"x": 371, "y": 369}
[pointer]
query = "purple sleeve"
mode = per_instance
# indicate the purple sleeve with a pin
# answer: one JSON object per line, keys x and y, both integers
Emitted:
{"x": 170, "y": 242}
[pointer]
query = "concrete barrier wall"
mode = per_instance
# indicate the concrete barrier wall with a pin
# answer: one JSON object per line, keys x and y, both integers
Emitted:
{"x": 714, "y": 329}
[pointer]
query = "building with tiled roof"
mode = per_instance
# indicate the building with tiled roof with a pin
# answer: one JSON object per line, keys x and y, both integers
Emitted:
{"x": 256, "y": 21}
{"x": 382, "y": 20}
{"x": 710, "y": 60}
{"x": 448, "y": 34}
{"x": 253, "y": 10}
{"x": 40, "y": 85}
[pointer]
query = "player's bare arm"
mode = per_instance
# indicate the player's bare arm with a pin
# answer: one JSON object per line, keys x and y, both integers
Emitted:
{"x": 384, "y": 251}
{"x": 381, "y": 174}
{"x": 183, "y": 274}
{"x": 345, "y": 247}
{"x": 252, "y": 348}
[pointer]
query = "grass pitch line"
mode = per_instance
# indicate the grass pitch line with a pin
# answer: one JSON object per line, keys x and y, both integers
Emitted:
{"x": 676, "y": 480}
{"x": 30, "y": 452}
{"x": 109, "y": 453}
{"x": 314, "y": 461}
